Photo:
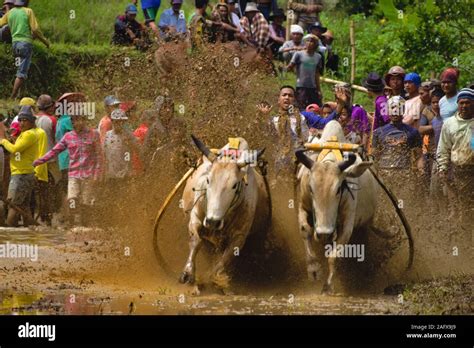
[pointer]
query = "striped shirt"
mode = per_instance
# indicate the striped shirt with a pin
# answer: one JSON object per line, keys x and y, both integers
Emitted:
{"x": 84, "y": 153}
{"x": 258, "y": 32}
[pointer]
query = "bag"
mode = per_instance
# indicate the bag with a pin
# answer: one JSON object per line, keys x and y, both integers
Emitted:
{"x": 5, "y": 34}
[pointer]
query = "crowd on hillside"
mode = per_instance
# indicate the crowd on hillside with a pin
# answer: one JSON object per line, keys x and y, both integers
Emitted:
{"x": 421, "y": 130}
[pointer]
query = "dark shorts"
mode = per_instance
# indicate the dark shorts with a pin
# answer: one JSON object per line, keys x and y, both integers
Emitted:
{"x": 306, "y": 96}
{"x": 20, "y": 188}
{"x": 150, "y": 14}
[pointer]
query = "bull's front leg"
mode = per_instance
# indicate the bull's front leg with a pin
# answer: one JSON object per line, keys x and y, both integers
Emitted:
{"x": 342, "y": 239}
{"x": 189, "y": 273}
{"x": 313, "y": 267}
{"x": 219, "y": 276}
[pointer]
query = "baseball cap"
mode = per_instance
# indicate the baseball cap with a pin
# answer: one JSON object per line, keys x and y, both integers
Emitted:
{"x": 132, "y": 9}
{"x": 413, "y": 77}
{"x": 111, "y": 100}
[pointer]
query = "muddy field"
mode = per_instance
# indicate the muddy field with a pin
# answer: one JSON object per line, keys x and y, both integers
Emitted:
{"x": 112, "y": 269}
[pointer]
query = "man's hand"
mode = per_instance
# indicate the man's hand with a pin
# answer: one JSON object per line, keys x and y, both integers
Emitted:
{"x": 36, "y": 163}
{"x": 341, "y": 96}
{"x": 264, "y": 108}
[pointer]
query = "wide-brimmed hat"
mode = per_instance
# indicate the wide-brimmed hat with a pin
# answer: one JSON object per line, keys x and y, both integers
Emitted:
{"x": 319, "y": 26}
{"x": 296, "y": 29}
{"x": 394, "y": 71}
{"x": 373, "y": 82}
{"x": 278, "y": 13}
{"x": 251, "y": 7}
{"x": 328, "y": 34}
{"x": 72, "y": 97}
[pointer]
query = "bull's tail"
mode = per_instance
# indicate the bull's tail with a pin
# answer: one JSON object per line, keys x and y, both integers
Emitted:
{"x": 402, "y": 217}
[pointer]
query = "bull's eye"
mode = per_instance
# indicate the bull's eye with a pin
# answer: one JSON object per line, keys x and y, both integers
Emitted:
{"x": 234, "y": 187}
{"x": 207, "y": 181}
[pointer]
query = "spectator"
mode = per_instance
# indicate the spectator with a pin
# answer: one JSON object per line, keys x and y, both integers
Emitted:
{"x": 150, "y": 11}
{"x": 127, "y": 30}
{"x": 266, "y": 7}
{"x": 277, "y": 30}
{"x": 226, "y": 30}
{"x": 448, "y": 104}
{"x": 307, "y": 63}
{"x": 293, "y": 45}
{"x": 318, "y": 29}
{"x": 119, "y": 147}
{"x": 200, "y": 25}
{"x": 233, "y": 14}
{"x": 23, "y": 152}
{"x": 24, "y": 28}
{"x": 45, "y": 118}
{"x": 111, "y": 103}
{"x": 430, "y": 126}
{"x": 375, "y": 87}
{"x": 306, "y": 12}
{"x": 64, "y": 126}
{"x": 327, "y": 109}
{"x": 83, "y": 146}
{"x": 455, "y": 150}
{"x": 5, "y": 33}
{"x": 394, "y": 80}
{"x": 413, "y": 105}
{"x": 332, "y": 61}
{"x": 256, "y": 28}
{"x": 173, "y": 21}
{"x": 394, "y": 142}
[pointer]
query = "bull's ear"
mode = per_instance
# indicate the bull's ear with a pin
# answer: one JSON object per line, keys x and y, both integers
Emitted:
{"x": 358, "y": 169}
{"x": 302, "y": 158}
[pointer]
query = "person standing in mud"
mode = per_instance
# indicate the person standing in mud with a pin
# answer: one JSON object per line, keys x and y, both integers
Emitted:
{"x": 83, "y": 146}
{"x": 105, "y": 124}
{"x": 456, "y": 151}
{"x": 393, "y": 145}
{"x": 22, "y": 182}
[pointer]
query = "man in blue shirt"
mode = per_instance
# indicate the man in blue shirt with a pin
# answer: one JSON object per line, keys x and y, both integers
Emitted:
{"x": 173, "y": 21}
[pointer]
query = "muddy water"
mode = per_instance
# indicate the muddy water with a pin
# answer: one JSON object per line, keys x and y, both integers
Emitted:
{"x": 148, "y": 304}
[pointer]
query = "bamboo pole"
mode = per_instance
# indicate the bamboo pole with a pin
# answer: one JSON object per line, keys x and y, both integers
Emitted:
{"x": 356, "y": 87}
{"x": 353, "y": 52}
{"x": 289, "y": 19}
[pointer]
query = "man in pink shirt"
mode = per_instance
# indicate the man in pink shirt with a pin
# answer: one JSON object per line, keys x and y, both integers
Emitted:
{"x": 83, "y": 145}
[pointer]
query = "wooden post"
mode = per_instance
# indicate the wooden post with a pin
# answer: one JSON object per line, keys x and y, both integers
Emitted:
{"x": 289, "y": 19}
{"x": 353, "y": 52}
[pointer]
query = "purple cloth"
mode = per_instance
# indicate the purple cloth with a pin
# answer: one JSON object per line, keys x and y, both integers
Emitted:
{"x": 359, "y": 121}
{"x": 381, "y": 112}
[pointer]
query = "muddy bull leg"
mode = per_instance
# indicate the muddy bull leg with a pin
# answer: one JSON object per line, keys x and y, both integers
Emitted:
{"x": 342, "y": 239}
{"x": 218, "y": 275}
{"x": 306, "y": 231}
{"x": 189, "y": 272}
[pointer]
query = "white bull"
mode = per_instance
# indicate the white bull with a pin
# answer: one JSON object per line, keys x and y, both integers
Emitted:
{"x": 329, "y": 210}
{"x": 227, "y": 200}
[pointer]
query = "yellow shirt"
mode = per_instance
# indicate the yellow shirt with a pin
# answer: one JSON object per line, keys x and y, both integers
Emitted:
{"x": 41, "y": 171}
{"x": 23, "y": 152}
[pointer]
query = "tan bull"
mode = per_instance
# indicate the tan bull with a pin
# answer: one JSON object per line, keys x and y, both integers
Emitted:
{"x": 226, "y": 200}
{"x": 337, "y": 196}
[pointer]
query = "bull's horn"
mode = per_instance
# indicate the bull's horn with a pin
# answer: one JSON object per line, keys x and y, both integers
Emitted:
{"x": 346, "y": 164}
{"x": 204, "y": 149}
{"x": 302, "y": 158}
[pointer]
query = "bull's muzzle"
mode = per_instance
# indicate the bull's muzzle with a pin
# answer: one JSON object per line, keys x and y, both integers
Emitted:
{"x": 213, "y": 224}
{"x": 324, "y": 230}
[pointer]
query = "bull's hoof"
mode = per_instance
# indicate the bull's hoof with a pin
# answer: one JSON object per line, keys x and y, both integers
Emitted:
{"x": 313, "y": 269}
{"x": 327, "y": 289}
{"x": 186, "y": 278}
{"x": 196, "y": 291}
